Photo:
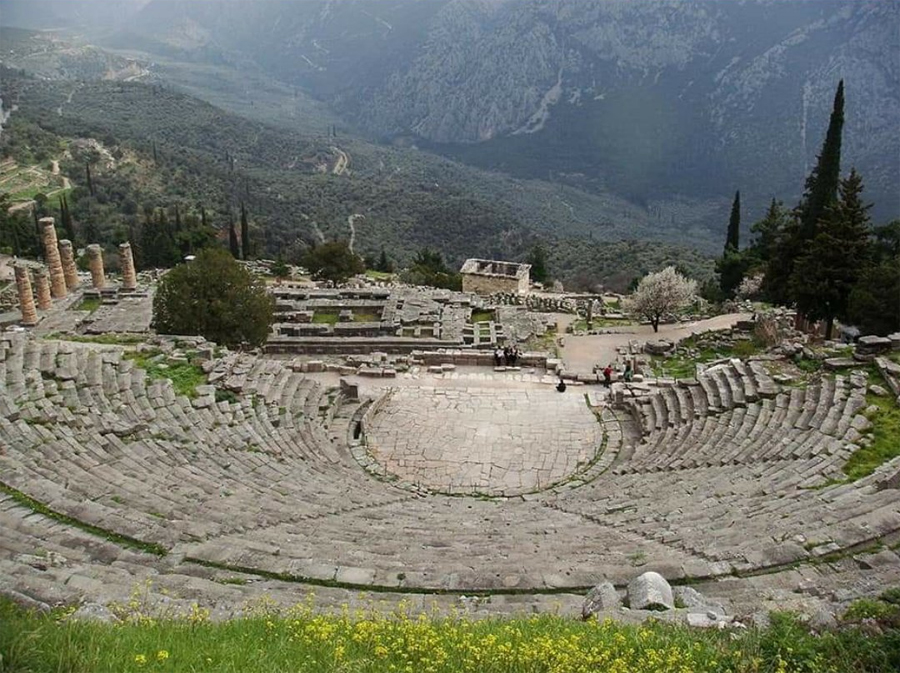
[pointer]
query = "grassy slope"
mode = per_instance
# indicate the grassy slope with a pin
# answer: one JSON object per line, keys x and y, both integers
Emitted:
{"x": 302, "y": 640}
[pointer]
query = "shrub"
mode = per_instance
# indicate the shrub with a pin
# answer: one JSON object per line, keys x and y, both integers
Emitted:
{"x": 215, "y": 297}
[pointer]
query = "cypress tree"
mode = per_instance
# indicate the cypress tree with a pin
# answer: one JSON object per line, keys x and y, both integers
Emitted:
{"x": 203, "y": 217}
{"x": 90, "y": 183}
{"x": 823, "y": 183}
{"x": 245, "y": 233}
{"x": 767, "y": 230}
{"x": 177, "y": 219}
{"x": 733, "y": 264}
{"x": 66, "y": 218}
{"x": 834, "y": 260}
{"x": 538, "y": 261}
{"x": 233, "y": 240}
{"x": 733, "y": 238}
{"x": 820, "y": 193}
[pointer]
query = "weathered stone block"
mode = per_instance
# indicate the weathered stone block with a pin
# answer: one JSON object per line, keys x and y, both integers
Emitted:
{"x": 602, "y": 597}
{"x": 650, "y": 591}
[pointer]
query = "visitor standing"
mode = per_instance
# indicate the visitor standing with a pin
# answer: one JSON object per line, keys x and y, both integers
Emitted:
{"x": 607, "y": 375}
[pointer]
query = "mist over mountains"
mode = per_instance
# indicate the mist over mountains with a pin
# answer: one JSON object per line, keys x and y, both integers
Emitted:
{"x": 671, "y": 104}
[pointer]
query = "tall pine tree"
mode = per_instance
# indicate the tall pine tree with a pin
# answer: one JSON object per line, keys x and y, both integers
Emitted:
{"x": 833, "y": 261}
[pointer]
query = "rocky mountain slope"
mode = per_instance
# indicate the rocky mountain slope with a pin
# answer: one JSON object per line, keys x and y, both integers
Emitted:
{"x": 671, "y": 103}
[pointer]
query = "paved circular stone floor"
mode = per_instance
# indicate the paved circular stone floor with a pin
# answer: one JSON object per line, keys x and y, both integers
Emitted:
{"x": 494, "y": 442}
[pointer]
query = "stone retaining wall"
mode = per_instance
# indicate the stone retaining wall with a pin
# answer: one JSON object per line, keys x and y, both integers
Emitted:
{"x": 475, "y": 358}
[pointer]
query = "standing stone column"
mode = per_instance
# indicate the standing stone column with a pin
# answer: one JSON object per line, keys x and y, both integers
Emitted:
{"x": 70, "y": 271}
{"x": 42, "y": 288}
{"x": 126, "y": 260}
{"x": 51, "y": 255}
{"x": 95, "y": 260}
{"x": 26, "y": 300}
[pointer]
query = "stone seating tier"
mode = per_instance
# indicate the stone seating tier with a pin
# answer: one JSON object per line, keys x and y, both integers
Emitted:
{"x": 267, "y": 479}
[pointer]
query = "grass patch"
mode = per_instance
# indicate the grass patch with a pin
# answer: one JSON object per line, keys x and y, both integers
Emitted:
{"x": 366, "y": 317}
{"x": 325, "y": 318}
{"x": 89, "y": 305}
{"x": 680, "y": 366}
{"x": 378, "y": 275}
{"x": 184, "y": 376}
{"x": 482, "y": 316}
{"x": 299, "y": 639}
{"x": 885, "y": 436}
{"x": 675, "y": 367}
{"x": 545, "y": 343}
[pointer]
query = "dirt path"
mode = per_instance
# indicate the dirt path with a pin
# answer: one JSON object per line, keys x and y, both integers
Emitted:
{"x": 343, "y": 161}
{"x": 581, "y": 353}
{"x": 352, "y": 222}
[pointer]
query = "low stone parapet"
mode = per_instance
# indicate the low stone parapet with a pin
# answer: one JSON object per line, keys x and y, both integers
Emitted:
{"x": 476, "y": 358}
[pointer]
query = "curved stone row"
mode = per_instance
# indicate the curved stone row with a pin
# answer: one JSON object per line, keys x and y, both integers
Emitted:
{"x": 716, "y": 480}
{"x": 721, "y": 419}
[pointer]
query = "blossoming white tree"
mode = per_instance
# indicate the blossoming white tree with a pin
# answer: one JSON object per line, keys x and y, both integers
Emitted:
{"x": 660, "y": 294}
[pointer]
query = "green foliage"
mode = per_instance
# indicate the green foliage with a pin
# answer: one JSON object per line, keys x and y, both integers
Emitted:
{"x": 89, "y": 305}
{"x": 173, "y": 149}
{"x": 884, "y": 446}
{"x": 215, "y": 297}
{"x": 280, "y": 269}
{"x": 538, "y": 260}
{"x": 429, "y": 268}
{"x": 874, "y": 303}
{"x": 680, "y": 366}
{"x": 325, "y": 318}
{"x": 333, "y": 261}
{"x": 164, "y": 242}
{"x": 245, "y": 233}
{"x": 827, "y": 270}
{"x": 823, "y": 183}
{"x": 733, "y": 237}
{"x": 869, "y": 608}
{"x": 793, "y": 240}
{"x": 384, "y": 265}
{"x": 320, "y": 643}
{"x": 731, "y": 269}
{"x": 185, "y": 377}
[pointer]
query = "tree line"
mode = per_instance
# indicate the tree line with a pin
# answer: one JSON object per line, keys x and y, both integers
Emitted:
{"x": 824, "y": 256}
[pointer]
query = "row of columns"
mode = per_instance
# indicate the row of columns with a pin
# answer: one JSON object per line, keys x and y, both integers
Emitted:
{"x": 61, "y": 274}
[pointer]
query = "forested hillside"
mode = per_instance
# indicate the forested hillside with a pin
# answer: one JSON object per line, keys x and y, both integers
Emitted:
{"x": 158, "y": 148}
{"x": 671, "y": 104}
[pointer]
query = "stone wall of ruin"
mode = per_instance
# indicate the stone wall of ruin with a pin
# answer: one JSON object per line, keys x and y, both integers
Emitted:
{"x": 487, "y": 285}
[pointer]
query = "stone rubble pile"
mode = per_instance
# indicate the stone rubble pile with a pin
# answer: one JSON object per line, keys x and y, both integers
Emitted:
{"x": 650, "y": 596}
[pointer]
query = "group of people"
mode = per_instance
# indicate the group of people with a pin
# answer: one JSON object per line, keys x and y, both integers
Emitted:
{"x": 608, "y": 372}
{"x": 507, "y": 356}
